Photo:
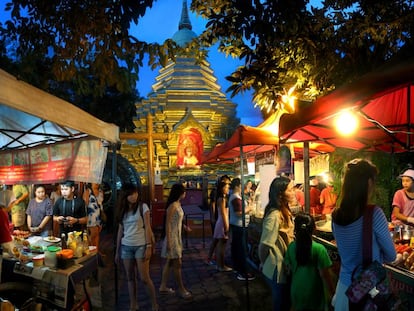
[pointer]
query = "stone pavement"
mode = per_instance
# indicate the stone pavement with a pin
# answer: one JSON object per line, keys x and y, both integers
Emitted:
{"x": 211, "y": 290}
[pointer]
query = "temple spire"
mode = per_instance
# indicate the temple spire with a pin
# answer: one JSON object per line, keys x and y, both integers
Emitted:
{"x": 185, "y": 20}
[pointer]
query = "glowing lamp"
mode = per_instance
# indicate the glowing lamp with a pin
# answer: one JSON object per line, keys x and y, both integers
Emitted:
{"x": 346, "y": 123}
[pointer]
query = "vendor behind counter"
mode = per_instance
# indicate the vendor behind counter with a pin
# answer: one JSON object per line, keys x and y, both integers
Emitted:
{"x": 6, "y": 240}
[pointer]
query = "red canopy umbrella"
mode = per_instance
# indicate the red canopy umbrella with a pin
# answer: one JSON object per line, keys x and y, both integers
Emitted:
{"x": 383, "y": 102}
{"x": 246, "y": 139}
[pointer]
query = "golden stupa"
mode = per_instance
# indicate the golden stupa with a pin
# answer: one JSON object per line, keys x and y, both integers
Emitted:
{"x": 189, "y": 114}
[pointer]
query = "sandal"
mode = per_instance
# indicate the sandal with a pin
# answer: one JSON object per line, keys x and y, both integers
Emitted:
{"x": 168, "y": 291}
{"x": 186, "y": 295}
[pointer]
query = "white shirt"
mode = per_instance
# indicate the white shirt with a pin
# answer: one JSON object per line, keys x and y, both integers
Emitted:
{"x": 134, "y": 231}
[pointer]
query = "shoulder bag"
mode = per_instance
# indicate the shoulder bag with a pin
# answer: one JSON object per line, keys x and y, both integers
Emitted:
{"x": 370, "y": 290}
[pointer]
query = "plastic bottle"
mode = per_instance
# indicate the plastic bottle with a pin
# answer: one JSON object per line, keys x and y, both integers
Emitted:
{"x": 71, "y": 242}
{"x": 78, "y": 252}
{"x": 50, "y": 256}
{"x": 85, "y": 243}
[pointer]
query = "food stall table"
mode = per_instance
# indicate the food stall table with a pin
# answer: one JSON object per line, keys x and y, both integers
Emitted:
{"x": 401, "y": 279}
{"x": 54, "y": 287}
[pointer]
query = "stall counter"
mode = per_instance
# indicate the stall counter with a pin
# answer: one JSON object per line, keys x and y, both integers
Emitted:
{"x": 401, "y": 279}
{"x": 54, "y": 287}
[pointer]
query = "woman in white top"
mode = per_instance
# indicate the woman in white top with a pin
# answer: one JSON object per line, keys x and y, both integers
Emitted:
{"x": 133, "y": 244}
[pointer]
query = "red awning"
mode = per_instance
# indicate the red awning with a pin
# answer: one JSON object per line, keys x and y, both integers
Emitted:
{"x": 383, "y": 102}
{"x": 251, "y": 139}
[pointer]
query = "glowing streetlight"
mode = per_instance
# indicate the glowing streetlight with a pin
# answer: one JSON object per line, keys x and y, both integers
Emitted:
{"x": 346, "y": 123}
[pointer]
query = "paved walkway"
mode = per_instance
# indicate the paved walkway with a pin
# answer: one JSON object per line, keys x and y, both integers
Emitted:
{"x": 211, "y": 290}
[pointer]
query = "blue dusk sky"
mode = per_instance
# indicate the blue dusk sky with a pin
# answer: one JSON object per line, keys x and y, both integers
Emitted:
{"x": 159, "y": 24}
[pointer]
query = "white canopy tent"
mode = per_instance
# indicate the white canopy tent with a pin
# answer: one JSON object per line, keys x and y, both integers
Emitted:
{"x": 30, "y": 117}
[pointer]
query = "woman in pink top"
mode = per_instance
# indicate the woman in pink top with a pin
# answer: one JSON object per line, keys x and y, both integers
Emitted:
{"x": 403, "y": 202}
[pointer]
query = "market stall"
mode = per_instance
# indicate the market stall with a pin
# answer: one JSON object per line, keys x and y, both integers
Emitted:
{"x": 382, "y": 103}
{"x": 259, "y": 145}
{"x": 40, "y": 132}
{"x": 44, "y": 139}
{"x": 56, "y": 279}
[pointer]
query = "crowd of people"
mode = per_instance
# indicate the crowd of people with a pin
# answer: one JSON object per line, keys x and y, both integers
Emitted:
{"x": 53, "y": 215}
{"x": 292, "y": 263}
{"x": 296, "y": 268}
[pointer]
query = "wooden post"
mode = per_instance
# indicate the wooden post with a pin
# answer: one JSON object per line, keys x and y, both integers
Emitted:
{"x": 150, "y": 162}
{"x": 149, "y": 136}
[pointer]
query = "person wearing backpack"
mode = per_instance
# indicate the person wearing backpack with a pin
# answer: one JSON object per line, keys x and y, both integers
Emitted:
{"x": 134, "y": 242}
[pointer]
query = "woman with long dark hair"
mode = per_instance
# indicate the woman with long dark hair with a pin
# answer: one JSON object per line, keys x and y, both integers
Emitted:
{"x": 309, "y": 265}
{"x": 222, "y": 227}
{"x": 172, "y": 248}
{"x": 133, "y": 243}
{"x": 277, "y": 234}
{"x": 347, "y": 220}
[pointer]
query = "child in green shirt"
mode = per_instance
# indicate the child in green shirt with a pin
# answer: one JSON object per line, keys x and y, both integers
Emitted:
{"x": 309, "y": 265}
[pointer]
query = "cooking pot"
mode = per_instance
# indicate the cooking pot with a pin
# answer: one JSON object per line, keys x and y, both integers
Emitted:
{"x": 407, "y": 234}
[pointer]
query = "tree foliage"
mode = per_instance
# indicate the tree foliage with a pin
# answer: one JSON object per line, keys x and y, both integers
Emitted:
{"x": 287, "y": 43}
{"x": 81, "y": 51}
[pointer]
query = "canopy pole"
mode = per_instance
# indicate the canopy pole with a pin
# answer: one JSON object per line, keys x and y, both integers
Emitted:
{"x": 306, "y": 188}
{"x": 244, "y": 229}
{"x": 409, "y": 121}
{"x": 114, "y": 212}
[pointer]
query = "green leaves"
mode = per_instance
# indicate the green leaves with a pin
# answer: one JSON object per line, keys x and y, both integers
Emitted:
{"x": 287, "y": 42}
{"x": 81, "y": 51}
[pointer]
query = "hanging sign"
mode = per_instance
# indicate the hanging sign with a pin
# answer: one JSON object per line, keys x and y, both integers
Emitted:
{"x": 78, "y": 160}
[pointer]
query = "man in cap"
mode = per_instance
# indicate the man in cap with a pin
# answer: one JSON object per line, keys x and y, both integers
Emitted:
{"x": 403, "y": 202}
{"x": 69, "y": 211}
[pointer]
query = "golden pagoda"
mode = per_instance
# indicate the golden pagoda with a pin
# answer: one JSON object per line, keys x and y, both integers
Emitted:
{"x": 189, "y": 115}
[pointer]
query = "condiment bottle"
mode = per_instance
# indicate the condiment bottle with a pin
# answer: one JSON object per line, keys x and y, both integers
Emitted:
{"x": 71, "y": 243}
{"x": 79, "y": 247}
{"x": 85, "y": 243}
{"x": 63, "y": 241}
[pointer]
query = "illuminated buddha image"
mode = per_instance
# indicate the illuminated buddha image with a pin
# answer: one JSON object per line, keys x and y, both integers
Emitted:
{"x": 189, "y": 158}
{"x": 189, "y": 149}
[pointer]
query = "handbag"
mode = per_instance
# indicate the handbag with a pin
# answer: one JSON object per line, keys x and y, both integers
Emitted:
{"x": 370, "y": 290}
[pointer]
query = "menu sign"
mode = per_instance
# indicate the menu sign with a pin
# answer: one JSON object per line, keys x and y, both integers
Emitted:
{"x": 78, "y": 160}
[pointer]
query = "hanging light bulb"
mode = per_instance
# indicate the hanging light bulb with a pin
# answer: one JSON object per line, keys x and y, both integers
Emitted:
{"x": 346, "y": 123}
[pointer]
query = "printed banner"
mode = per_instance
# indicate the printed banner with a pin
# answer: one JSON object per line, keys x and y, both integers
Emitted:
{"x": 78, "y": 160}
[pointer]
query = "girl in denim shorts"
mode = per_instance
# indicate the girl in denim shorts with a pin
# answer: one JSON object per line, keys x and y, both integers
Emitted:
{"x": 134, "y": 243}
